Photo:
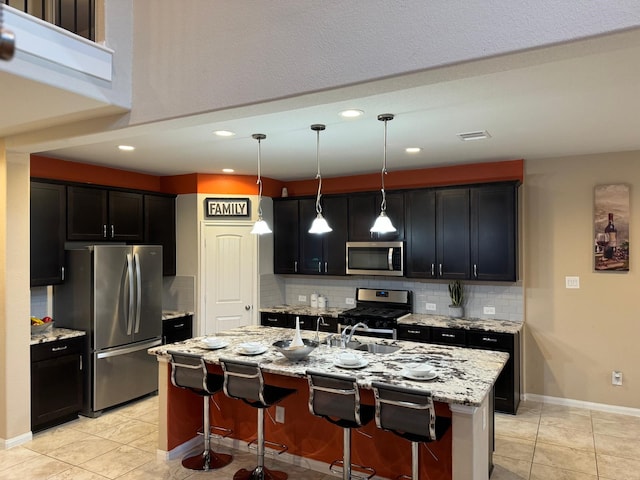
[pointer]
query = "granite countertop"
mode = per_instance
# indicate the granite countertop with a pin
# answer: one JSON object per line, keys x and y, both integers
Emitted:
{"x": 56, "y": 334}
{"x": 171, "y": 314}
{"x": 305, "y": 310}
{"x": 465, "y": 375}
{"x": 486, "y": 324}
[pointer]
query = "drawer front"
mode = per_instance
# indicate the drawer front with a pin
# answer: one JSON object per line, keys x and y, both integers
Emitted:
{"x": 59, "y": 348}
{"x": 177, "y": 329}
{"x": 448, "y": 336}
{"x": 275, "y": 319}
{"x": 414, "y": 333}
{"x": 490, "y": 340}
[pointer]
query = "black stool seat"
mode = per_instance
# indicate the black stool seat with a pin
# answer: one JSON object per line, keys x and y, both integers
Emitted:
{"x": 190, "y": 372}
{"x": 410, "y": 414}
{"x": 336, "y": 398}
{"x": 244, "y": 381}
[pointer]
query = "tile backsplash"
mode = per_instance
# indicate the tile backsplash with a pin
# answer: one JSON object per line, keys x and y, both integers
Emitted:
{"x": 507, "y": 298}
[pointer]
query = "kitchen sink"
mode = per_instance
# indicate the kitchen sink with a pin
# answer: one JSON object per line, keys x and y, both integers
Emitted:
{"x": 376, "y": 348}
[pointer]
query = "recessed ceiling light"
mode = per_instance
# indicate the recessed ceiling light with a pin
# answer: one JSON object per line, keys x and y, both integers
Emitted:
{"x": 351, "y": 113}
{"x": 479, "y": 135}
{"x": 126, "y": 148}
{"x": 224, "y": 133}
{"x": 413, "y": 149}
{"x": 228, "y": 170}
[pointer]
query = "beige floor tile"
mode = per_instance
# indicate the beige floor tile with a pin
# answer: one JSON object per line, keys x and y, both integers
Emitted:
{"x": 550, "y": 409}
{"x": 128, "y": 431}
{"x": 80, "y": 451}
{"x": 514, "y": 448}
{"x": 566, "y": 437}
{"x": 53, "y": 438}
{"x": 617, "y": 446}
{"x": 148, "y": 442}
{"x": 159, "y": 470}
{"x": 510, "y": 426}
{"x": 117, "y": 462}
{"x": 14, "y": 456}
{"x": 99, "y": 424}
{"x": 37, "y": 467}
{"x": 565, "y": 458}
{"x": 76, "y": 473}
{"x": 544, "y": 472}
{"x": 616, "y": 417}
{"x": 623, "y": 427}
{"x": 568, "y": 420}
{"x": 529, "y": 411}
{"x": 510, "y": 469}
{"x": 617, "y": 468}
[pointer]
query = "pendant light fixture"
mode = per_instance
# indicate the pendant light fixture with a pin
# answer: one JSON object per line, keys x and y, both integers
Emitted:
{"x": 260, "y": 227}
{"x": 319, "y": 224}
{"x": 383, "y": 223}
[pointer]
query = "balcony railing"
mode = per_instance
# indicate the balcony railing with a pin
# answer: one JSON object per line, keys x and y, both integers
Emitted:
{"x": 77, "y": 16}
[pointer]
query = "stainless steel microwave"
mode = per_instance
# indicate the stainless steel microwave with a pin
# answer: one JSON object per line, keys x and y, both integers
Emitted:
{"x": 375, "y": 258}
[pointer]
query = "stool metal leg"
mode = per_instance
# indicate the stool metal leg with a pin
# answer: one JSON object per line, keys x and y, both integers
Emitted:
{"x": 346, "y": 455}
{"x": 208, "y": 459}
{"x": 415, "y": 460}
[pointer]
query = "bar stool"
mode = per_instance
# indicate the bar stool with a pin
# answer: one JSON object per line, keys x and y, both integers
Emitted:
{"x": 190, "y": 371}
{"x": 411, "y": 415}
{"x": 244, "y": 381}
{"x": 336, "y": 398}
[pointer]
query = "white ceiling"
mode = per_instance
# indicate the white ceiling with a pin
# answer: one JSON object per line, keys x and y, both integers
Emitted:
{"x": 566, "y": 100}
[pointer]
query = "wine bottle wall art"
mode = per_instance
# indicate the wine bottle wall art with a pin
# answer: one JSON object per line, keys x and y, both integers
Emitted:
{"x": 611, "y": 228}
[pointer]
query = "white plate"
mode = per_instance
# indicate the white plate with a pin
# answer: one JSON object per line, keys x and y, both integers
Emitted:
{"x": 420, "y": 378}
{"x": 360, "y": 364}
{"x": 206, "y": 346}
{"x": 260, "y": 351}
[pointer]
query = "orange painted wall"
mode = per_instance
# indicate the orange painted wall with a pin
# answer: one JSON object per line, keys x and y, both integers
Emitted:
{"x": 306, "y": 435}
{"x": 44, "y": 167}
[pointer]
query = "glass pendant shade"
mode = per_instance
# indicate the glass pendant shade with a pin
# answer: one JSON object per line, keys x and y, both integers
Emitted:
{"x": 319, "y": 225}
{"x": 383, "y": 224}
{"x": 260, "y": 227}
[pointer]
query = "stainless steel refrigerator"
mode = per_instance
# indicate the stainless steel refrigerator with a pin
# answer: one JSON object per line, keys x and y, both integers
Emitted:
{"x": 114, "y": 293}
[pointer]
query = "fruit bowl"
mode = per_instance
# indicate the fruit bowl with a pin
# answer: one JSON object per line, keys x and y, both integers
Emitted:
{"x": 295, "y": 354}
{"x": 41, "y": 329}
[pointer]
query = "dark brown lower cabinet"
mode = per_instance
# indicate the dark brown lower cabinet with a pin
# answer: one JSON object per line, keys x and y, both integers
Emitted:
{"x": 177, "y": 329}
{"x": 56, "y": 382}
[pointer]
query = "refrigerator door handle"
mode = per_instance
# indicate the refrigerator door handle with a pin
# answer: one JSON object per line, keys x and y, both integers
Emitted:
{"x": 123, "y": 351}
{"x": 131, "y": 293}
{"x": 136, "y": 260}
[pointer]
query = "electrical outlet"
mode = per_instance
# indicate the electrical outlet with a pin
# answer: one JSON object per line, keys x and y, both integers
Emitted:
{"x": 349, "y": 301}
{"x": 279, "y": 414}
{"x": 489, "y": 310}
{"x": 302, "y": 298}
{"x": 616, "y": 377}
{"x": 430, "y": 306}
{"x": 572, "y": 282}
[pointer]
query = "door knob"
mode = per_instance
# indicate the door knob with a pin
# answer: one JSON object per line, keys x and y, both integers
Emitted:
{"x": 247, "y": 307}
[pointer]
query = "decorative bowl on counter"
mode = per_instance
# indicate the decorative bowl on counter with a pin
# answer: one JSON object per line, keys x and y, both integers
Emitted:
{"x": 295, "y": 354}
{"x": 41, "y": 329}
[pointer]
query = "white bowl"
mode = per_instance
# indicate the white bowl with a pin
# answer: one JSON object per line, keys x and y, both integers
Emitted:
{"x": 250, "y": 347}
{"x": 212, "y": 341}
{"x": 347, "y": 358}
{"x": 420, "y": 370}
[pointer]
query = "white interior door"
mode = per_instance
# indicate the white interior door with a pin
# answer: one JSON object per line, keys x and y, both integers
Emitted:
{"x": 229, "y": 277}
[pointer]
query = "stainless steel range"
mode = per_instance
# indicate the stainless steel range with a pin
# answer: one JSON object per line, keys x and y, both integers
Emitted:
{"x": 379, "y": 310}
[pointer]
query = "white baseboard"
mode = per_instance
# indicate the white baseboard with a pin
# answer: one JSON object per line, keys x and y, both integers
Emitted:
{"x": 15, "y": 441}
{"x": 601, "y": 407}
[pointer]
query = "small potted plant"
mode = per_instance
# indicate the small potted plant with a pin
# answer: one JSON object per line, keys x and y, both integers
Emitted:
{"x": 456, "y": 292}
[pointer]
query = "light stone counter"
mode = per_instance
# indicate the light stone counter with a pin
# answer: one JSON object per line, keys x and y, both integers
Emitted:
{"x": 171, "y": 314}
{"x": 56, "y": 334}
{"x": 305, "y": 310}
{"x": 443, "y": 321}
{"x": 465, "y": 376}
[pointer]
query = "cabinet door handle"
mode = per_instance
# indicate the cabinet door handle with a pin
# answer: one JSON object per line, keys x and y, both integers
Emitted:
{"x": 62, "y": 268}
{"x": 489, "y": 339}
{"x": 58, "y": 349}
{"x": 433, "y": 269}
{"x": 113, "y": 232}
{"x": 80, "y": 362}
{"x": 448, "y": 335}
{"x": 180, "y": 325}
{"x": 325, "y": 267}
{"x": 295, "y": 266}
{"x": 104, "y": 231}
{"x": 272, "y": 320}
{"x": 319, "y": 267}
{"x": 414, "y": 332}
{"x": 440, "y": 268}
{"x": 475, "y": 270}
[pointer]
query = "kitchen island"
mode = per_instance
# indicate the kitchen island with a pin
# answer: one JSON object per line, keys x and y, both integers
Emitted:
{"x": 462, "y": 390}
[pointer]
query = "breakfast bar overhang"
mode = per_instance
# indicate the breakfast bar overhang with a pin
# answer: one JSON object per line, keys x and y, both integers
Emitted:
{"x": 463, "y": 390}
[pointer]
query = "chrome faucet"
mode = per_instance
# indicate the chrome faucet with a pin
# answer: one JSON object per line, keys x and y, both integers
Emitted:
{"x": 347, "y": 338}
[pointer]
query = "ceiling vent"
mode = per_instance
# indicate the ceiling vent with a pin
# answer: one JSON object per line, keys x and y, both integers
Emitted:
{"x": 468, "y": 136}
